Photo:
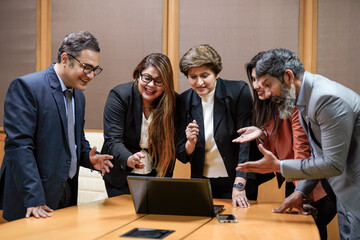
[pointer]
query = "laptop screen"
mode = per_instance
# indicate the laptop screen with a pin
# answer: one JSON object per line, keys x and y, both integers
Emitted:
{"x": 174, "y": 196}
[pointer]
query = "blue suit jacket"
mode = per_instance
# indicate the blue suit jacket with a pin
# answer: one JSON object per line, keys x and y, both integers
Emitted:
{"x": 330, "y": 115}
{"x": 37, "y": 157}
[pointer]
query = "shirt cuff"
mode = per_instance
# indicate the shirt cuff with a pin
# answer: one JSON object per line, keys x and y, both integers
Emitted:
{"x": 303, "y": 194}
{"x": 281, "y": 168}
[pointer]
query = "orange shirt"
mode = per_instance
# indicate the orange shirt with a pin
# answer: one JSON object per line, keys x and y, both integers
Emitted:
{"x": 291, "y": 142}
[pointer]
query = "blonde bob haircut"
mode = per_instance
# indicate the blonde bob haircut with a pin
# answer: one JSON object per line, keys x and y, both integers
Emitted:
{"x": 201, "y": 55}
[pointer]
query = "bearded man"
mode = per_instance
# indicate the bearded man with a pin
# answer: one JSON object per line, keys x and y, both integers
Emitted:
{"x": 330, "y": 116}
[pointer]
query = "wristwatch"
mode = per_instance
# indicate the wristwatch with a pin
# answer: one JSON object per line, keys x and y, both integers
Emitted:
{"x": 239, "y": 186}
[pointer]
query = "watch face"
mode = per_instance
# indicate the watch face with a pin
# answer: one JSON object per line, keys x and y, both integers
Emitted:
{"x": 239, "y": 186}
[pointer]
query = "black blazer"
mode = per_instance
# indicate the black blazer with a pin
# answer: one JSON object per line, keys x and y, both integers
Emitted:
{"x": 37, "y": 156}
{"x": 233, "y": 106}
{"x": 122, "y": 130}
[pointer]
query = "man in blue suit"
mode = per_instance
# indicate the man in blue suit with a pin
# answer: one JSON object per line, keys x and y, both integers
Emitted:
{"x": 45, "y": 142}
{"x": 330, "y": 115}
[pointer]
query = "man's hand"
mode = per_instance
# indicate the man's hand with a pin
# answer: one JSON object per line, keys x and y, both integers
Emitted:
{"x": 39, "y": 211}
{"x": 269, "y": 163}
{"x": 295, "y": 200}
{"x": 100, "y": 162}
{"x": 248, "y": 134}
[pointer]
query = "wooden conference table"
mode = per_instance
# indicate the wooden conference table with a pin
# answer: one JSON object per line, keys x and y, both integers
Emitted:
{"x": 112, "y": 217}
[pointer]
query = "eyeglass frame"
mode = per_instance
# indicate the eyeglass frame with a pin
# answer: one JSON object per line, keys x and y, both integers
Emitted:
{"x": 87, "y": 65}
{"x": 152, "y": 79}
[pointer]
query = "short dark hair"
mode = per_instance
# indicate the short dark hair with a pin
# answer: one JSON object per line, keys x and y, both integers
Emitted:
{"x": 75, "y": 42}
{"x": 276, "y": 61}
{"x": 201, "y": 55}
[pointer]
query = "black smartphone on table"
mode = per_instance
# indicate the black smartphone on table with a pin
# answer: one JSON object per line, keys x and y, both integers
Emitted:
{"x": 226, "y": 218}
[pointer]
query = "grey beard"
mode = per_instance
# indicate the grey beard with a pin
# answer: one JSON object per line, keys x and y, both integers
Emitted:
{"x": 287, "y": 102}
{"x": 286, "y": 109}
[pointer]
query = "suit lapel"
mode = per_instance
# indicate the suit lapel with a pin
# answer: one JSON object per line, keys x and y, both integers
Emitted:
{"x": 302, "y": 117}
{"x": 137, "y": 110}
{"x": 301, "y": 104}
{"x": 303, "y": 101}
{"x": 219, "y": 103}
{"x": 58, "y": 97}
{"x": 197, "y": 114}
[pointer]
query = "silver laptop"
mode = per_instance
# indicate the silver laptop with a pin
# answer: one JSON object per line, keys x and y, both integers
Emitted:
{"x": 173, "y": 196}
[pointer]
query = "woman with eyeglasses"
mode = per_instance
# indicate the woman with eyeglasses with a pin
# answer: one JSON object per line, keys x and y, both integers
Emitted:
{"x": 139, "y": 124}
{"x": 209, "y": 114}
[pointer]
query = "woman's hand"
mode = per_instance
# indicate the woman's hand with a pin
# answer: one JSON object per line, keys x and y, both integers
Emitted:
{"x": 134, "y": 161}
{"x": 192, "y": 130}
{"x": 239, "y": 196}
{"x": 249, "y": 134}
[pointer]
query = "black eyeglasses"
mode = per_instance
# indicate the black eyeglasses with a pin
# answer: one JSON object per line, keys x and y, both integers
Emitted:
{"x": 87, "y": 68}
{"x": 147, "y": 78}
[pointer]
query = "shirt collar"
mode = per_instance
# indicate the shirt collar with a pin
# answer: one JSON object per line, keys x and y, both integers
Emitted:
{"x": 301, "y": 96}
{"x": 63, "y": 87}
{"x": 210, "y": 96}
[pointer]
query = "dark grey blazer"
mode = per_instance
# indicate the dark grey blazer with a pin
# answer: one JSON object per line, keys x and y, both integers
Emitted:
{"x": 37, "y": 156}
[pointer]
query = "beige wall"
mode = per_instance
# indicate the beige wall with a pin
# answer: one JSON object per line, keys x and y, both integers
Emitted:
{"x": 338, "y": 41}
{"x": 127, "y": 32}
{"x": 237, "y": 30}
{"x": 17, "y": 43}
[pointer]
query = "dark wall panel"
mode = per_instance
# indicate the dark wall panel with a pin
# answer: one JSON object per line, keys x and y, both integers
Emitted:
{"x": 237, "y": 29}
{"x": 127, "y": 32}
{"x": 338, "y": 41}
{"x": 17, "y": 43}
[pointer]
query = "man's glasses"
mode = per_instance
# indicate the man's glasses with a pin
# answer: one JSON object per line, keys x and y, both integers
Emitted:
{"x": 147, "y": 78}
{"x": 87, "y": 68}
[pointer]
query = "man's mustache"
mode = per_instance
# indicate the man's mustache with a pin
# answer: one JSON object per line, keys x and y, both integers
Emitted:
{"x": 279, "y": 99}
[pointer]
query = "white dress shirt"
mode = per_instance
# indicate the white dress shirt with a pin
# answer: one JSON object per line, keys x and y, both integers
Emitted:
{"x": 214, "y": 164}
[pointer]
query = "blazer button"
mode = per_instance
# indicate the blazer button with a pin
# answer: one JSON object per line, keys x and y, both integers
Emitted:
{"x": 63, "y": 184}
{"x": 68, "y": 161}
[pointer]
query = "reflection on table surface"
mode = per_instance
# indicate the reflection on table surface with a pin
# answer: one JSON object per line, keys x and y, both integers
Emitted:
{"x": 112, "y": 217}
